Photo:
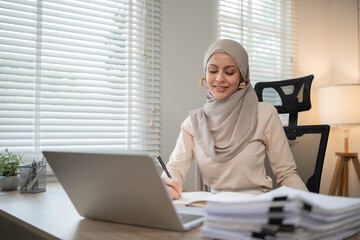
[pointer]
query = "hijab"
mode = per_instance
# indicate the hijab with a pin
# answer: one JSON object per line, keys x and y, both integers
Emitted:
{"x": 224, "y": 127}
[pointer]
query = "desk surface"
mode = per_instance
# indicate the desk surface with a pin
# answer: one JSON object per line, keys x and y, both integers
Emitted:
{"x": 51, "y": 215}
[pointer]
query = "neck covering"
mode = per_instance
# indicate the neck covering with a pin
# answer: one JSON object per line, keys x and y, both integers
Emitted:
{"x": 224, "y": 127}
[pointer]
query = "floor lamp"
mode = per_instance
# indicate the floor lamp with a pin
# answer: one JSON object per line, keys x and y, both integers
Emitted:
{"x": 339, "y": 106}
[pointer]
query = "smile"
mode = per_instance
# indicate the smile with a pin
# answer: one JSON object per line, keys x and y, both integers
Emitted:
{"x": 220, "y": 88}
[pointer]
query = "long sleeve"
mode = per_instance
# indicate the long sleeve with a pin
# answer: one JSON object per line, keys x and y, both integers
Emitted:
{"x": 182, "y": 155}
{"x": 247, "y": 169}
{"x": 280, "y": 155}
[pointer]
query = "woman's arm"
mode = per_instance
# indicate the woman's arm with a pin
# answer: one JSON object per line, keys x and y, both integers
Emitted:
{"x": 279, "y": 153}
{"x": 180, "y": 160}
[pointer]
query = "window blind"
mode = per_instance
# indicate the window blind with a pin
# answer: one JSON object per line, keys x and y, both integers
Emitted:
{"x": 265, "y": 29}
{"x": 79, "y": 75}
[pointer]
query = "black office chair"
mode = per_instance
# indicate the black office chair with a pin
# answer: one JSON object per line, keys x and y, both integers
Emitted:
{"x": 308, "y": 143}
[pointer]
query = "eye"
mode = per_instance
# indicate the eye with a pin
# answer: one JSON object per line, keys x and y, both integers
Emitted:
{"x": 212, "y": 70}
{"x": 230, "y": 73}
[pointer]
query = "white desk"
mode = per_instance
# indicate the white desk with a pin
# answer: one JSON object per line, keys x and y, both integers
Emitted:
{"x": 51, "y": 215}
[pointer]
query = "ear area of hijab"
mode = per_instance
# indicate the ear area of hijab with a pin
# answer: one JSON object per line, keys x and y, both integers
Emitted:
{"x": 202, "y": 83}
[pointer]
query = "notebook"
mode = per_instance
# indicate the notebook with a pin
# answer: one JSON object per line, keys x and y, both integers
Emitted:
{"x": 122, "y": 188}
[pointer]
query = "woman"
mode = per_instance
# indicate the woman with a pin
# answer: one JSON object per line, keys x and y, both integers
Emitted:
{"x": 231, "y": 134}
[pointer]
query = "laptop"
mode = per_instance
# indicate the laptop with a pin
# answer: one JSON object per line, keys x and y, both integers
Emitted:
{"x": 121, "y": 188}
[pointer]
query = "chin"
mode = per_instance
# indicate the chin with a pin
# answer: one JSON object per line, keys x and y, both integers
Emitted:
{"x": 222, "y": 95}
{"x": 219, "y": 97}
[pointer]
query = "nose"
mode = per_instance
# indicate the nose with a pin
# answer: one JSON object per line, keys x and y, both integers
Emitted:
{"x": 220, "y": 77}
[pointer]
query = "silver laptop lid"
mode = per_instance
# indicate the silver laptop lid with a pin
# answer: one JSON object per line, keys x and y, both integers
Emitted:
{"x": 123, "y": 188}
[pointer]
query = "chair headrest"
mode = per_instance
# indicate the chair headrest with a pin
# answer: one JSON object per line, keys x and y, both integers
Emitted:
{"x": 294, "y": 93}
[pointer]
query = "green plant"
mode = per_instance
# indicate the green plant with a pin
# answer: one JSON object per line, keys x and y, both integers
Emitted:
{"x": 9, "y": 163}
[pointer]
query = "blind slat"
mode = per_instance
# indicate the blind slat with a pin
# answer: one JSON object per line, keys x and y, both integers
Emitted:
{"x": 88, "y": 80}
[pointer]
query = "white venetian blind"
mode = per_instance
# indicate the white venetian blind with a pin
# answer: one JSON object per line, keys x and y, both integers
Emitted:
{"x": 79, "y": 75}
{"x": 265, "y": 29}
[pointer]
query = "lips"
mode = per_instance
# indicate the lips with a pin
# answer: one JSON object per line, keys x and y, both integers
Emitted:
{"x": 220, "y": 88}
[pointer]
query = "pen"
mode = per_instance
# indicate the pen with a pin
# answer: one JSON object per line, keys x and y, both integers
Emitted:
{"x": 163, "y": 166}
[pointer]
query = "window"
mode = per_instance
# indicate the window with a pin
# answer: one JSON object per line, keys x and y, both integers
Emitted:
{"x": 79, "y": 75}
{"x": 265, "y": 29}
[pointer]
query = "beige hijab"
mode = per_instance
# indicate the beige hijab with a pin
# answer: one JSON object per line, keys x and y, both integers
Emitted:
{"x": 223, "y": 127}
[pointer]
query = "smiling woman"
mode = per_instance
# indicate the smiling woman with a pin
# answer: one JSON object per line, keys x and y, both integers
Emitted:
{"x": 231, "y": 134}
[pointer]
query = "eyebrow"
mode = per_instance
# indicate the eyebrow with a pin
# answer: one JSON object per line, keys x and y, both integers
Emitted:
{"x": 229, "y": 66}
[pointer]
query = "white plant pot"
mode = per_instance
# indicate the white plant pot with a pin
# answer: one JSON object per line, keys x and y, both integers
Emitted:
{"x": 9, "y": 183}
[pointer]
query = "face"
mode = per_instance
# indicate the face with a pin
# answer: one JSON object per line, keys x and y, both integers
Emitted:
{"x": 222, "y": 75}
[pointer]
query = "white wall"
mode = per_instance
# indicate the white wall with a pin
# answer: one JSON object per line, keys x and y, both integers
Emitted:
{"x": 188, "y": 28}
{"x": 328, "y": 48}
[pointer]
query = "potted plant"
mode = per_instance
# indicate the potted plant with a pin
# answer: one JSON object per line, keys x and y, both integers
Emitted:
{"x": 9, "y": 170}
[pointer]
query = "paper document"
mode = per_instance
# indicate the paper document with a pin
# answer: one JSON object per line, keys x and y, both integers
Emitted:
{"x": 200, "y": 199}
{"x": 283, "y": 213}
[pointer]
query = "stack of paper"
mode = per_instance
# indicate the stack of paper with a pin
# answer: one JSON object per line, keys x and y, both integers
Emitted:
{"x": 283, "y": 213}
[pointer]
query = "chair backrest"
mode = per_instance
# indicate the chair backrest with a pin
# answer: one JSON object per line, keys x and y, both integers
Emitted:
{"x": 308, "y": 149}
{"x": 308, "y": 143}
{"x": 294, "y": 95}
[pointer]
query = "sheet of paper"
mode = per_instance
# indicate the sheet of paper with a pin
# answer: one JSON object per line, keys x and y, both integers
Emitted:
{"x": 203, "y": 197}
{"x": 228, "y": 196}
{"x": 188, "y": 197}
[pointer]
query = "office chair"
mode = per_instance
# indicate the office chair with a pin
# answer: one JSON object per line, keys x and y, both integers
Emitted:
{"x": 308, "y": 143}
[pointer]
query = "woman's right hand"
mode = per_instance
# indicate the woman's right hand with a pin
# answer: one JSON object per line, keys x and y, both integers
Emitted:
{"x": 173, "y": 187}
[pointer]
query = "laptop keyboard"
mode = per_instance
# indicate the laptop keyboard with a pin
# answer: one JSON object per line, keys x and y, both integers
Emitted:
{"x": 184, "y": 218}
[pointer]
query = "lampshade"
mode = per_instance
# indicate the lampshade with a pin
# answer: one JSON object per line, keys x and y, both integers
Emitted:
{"x": 339, "y": 104}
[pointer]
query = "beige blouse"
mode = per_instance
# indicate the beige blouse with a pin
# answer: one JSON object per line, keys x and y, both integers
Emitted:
{"x": 246, "y": 170}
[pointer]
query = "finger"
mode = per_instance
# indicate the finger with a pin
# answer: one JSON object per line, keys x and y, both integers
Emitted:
{"x": 173, "y": 183}
{"x": 173, "y": 193}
